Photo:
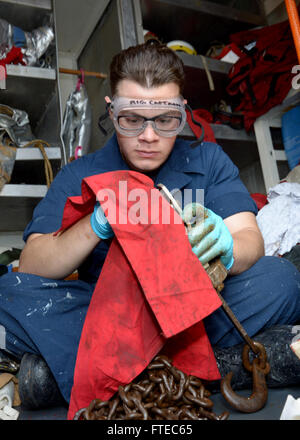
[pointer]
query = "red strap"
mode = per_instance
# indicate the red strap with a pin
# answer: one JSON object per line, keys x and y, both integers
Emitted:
{"x": 208, "y": 131}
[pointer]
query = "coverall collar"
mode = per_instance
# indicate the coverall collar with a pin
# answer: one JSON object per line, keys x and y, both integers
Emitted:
{"x": 174, "y": 173}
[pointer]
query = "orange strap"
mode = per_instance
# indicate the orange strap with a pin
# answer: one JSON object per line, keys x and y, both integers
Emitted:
{"x": 294, "y": 23}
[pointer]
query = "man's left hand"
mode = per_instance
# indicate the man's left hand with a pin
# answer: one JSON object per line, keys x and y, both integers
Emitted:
{"x": 208, "y": 235}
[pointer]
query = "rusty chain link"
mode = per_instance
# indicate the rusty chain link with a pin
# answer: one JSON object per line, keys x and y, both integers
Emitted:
{"x": 161, "y": 392}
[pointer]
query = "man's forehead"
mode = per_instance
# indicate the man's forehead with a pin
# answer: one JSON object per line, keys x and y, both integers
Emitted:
{"x": 129, "y": 88}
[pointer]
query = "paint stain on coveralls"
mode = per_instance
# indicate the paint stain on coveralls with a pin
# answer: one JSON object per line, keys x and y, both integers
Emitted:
{"x": 44, "y": 310}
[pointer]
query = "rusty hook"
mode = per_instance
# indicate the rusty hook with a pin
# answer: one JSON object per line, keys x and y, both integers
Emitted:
{"x": 260, "y": 368}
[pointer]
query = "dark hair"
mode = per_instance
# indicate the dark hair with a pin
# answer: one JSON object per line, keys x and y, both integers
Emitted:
{"x": 149, "y": 65}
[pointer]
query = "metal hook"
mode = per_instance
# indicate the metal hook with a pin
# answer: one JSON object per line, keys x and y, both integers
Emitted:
{"x": 259, "y": 368}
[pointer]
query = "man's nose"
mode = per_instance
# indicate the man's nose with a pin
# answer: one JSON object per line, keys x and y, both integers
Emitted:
{"x": 149, "y": 135}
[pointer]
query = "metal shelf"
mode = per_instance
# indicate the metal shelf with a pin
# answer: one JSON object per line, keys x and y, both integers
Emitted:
{"x": 23, "y": 190}
{"x": 197, "y": 22}
{"x": 53, "y": 153}
{"x": 223, "y": 132}
{"x": 29, "y": 89}
{"x": 19, "y": 80}
{"x": 210, "y": 8}
{"x": 197, "y": 89}
{"x": 17, "y": 203}
{"x": 40, "y": 4}
{"x": 26, "y": 14}
{"x": 196, "y": 61}
{"x": 34, "y": 90}
{"x": 200, "y": 23}
{"x": 30, "y": 72}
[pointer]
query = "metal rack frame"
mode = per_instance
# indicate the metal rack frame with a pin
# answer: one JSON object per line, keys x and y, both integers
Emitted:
{"x": 35, "y": 90}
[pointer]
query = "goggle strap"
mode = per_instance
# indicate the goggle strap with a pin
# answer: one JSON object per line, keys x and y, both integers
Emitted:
{"x": 102, "y": 118}
{"x": 200, "y": 139}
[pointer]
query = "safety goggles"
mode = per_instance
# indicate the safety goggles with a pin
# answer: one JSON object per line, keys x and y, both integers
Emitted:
{"x": 129, "y": 120}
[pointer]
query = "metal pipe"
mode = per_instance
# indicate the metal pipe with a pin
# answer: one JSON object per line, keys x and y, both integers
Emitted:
{"x": 85, "y": 72}
{"x": 293, "y": 16}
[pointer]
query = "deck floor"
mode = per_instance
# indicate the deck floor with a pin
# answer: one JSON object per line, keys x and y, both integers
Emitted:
{"x": 272, "y": 410}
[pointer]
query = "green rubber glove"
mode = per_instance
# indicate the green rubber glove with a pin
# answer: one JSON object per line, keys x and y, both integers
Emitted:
{"x": 208, "y": 235}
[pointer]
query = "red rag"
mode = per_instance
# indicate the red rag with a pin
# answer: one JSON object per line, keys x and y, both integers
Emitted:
{"x": 152, "y": 293}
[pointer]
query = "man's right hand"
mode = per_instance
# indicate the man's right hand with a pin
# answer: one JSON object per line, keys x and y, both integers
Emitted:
{"x": 100, "y": 224}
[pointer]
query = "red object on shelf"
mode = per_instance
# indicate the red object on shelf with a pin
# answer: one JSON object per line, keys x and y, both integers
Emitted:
{"x": 14, "y": 56}
{"x": 260, "y": 199}
{"x": 262, "y": 77}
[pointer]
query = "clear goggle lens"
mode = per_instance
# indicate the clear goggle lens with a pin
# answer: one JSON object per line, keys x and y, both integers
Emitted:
{"x": 165, "y": 123}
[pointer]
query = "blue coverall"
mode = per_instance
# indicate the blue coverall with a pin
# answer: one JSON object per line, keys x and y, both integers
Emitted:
{"x": 45, "y": 316}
